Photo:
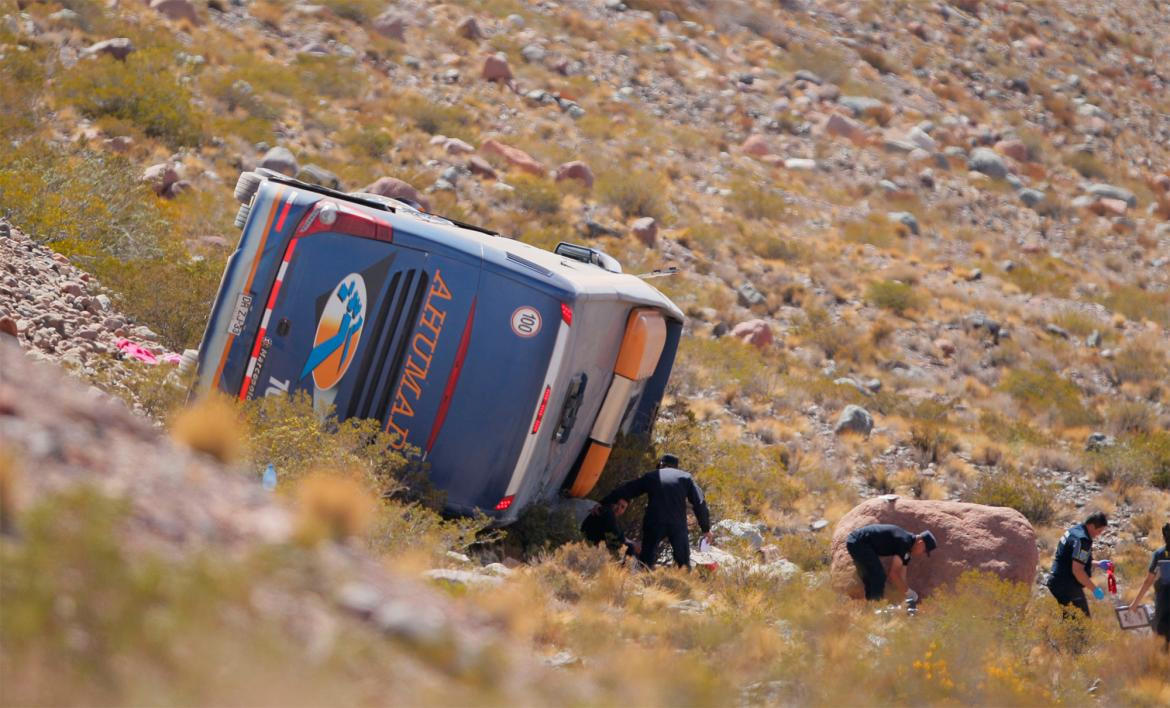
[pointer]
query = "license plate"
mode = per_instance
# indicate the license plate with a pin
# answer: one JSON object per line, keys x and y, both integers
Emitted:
{"x": 243, "y": 306}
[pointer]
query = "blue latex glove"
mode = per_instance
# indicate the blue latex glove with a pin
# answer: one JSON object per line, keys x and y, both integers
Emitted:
{"x": 1099, "y": 593}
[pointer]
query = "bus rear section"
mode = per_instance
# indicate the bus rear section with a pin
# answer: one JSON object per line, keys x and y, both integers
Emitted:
{"x": 380, "y": 314}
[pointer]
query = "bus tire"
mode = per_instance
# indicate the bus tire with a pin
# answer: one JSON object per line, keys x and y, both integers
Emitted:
{"x": 246, "y": 186}
{"x": 242, "y": 215}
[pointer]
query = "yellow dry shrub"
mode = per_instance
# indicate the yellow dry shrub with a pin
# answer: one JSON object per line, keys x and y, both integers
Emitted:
{"x": 8, "y": 481}
{"x": 212, "y": 426}
{"x": 332, "y": 505}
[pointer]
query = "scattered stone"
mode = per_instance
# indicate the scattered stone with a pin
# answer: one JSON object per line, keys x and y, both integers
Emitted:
{"x": 479, "y": 166}
{"x": 988, "y": 162}
{"x": 118, "y": 47}
{"x": 176, "y": 10}
{"x": 750, "y": 532}
{"x": 1109, "y": 191}
{"x": 854, "y": 419}
{"x": 645, "y": 230}
{"x": 840, "y": 126}
{"x": 533, "y": 53}
{"x": 161, "y": 177}
{"x": 495, "y": 68}
{"x": 906, "y": 219}
{"x": 800, "y": 164}
{"x": 749, "y": 296}
{"x": 319, "y": 176}
{"x": 469, "y": 29}
{"x": 465, "y": 578}
{"x": 757, "y": 333}
{"x": 1096, "y": 442}
{"x": 819, "y": 524}
{"x": 1015, "y": 149}
{"x": 455, "y": 146}
{"x": 515, "y": 157}
{"x": 756, "y": 146}
{"x": 1094, "y": 339}
{"x": 394, "y": 188}
{"x": 945, "y": 346}
{"x": 866, "y": 107}
{"x": 806, "y": 75}
{"x": 575, "y": 170}
{"x": 1031, "y": 197}
{"x": 391, "y": 25}
{"x": 280, "y": 159}
{"x": 992, "y": 539}
{"x": 1056, "y": 330}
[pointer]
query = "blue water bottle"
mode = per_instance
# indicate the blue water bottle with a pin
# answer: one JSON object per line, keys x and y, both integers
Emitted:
{"x": 269, "y": 479}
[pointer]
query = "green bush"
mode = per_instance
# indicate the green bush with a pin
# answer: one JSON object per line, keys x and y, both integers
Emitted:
{"x": 1044, "y": 391}
{"x": 893, "y": 295}
{"x": 634, "y": 193}
{"x": 536, "y": 195}
{"x": 757, "y": 200}
{"x": 1135, "y": 461}
{"x": 143, "y": 89}
{"x": 20, "y": 90}
{"x": 1009, "y": 487}
{"x": 1138, "y": 304}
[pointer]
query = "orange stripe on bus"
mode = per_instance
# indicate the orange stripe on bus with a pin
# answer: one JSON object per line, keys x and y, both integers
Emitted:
{"x": 251, "y": 275}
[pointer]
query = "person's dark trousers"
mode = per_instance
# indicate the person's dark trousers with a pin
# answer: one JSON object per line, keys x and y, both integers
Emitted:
{"x": 680, "y": 545}
{"x": 1069, "y": 600}
{"x": 869, "y": 567}
{"x": 1162, "y": 611}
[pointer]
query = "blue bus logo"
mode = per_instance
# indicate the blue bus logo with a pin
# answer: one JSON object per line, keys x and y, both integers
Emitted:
{"x": 338, "y": 333}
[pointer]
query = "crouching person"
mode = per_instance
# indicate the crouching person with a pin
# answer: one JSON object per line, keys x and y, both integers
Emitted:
{"x": 602, "y": 526}
{"x": 868, "y": 544}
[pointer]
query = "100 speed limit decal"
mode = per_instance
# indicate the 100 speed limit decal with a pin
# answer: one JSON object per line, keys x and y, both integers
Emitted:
{"x": 525, "y": 322}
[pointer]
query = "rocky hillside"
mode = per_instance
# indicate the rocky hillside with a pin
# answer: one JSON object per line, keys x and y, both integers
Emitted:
{"x": 924, "y": 248}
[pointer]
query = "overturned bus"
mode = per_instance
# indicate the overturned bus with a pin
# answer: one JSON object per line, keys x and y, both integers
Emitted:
{"x": 508, "y": 369}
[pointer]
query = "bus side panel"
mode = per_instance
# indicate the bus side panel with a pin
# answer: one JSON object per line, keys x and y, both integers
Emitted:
{"x": 491, "y": 410}
{"x": 655, "y": 388}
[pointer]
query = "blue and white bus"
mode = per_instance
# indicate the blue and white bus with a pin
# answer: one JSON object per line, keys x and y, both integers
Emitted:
{"x": 510, "y": 370}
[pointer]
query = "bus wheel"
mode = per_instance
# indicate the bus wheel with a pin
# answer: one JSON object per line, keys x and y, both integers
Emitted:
{"x": 246, "y": 186}
{"x": 242, "y": 215}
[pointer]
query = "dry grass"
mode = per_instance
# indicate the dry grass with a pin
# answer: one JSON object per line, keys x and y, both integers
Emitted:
{"x": 212, "y": 426}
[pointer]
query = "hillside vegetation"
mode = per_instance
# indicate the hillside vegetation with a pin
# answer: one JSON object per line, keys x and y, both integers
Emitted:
{"x": 955, "y": 215}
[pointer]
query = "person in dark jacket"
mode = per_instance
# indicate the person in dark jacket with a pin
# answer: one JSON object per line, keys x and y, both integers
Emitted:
{"x": 601, "y": 526}
{"x": 1072, "y": 564}
{"x": 668, "y": 490}
{"x": 1161, "y": 589}
{"x": 868, "y": 544}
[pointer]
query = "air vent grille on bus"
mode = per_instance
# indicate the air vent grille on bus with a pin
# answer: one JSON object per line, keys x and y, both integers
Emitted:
{"x": 395, "y": 320}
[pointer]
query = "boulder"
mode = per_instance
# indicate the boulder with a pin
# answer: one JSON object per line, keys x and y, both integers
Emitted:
{"x": 847, "y": 128}
{"x": 645, "y": 230}
{"x": 479, "y": 166}
{"x": 176, "y": 10}
{"x": 118, "y": 47}
{"x": 992, "y": 539}
{"x": 319, "y": 175}
{"x": 1109, "y": 191}
{"x": 161, "y": 177}
{"x": 988, "y": 162}
{"x": 469, "y": 29}
{"x": 280, "y": 159}
{"x": 513, "y": 156}
{"x": 495, "y": 68}
{"x": 576, "y": 170}
{"x": 1014, "y": 149}
{"x": 756, "y": 146}
{"x": 757, "y": 333}
{"x": 395, "y": 188}
{"x": 391, "y": 25}
{"x": 854, "y": 419}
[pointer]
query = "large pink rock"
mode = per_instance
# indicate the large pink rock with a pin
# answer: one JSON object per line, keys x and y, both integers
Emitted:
{"x": 513, "y": 156}
{"x": 993, "y": 539}
{"x": 754, "y": 332}
{"x": 395, "y": 188}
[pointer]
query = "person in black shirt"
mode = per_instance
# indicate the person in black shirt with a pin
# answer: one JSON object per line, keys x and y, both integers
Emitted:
{"x": 1072, "y": 564}
{"x": 1161, "y": 590}
{"x": 668, "y": 490}
{"x": 868, "y": 544}
{"x": 601, "y": 526}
